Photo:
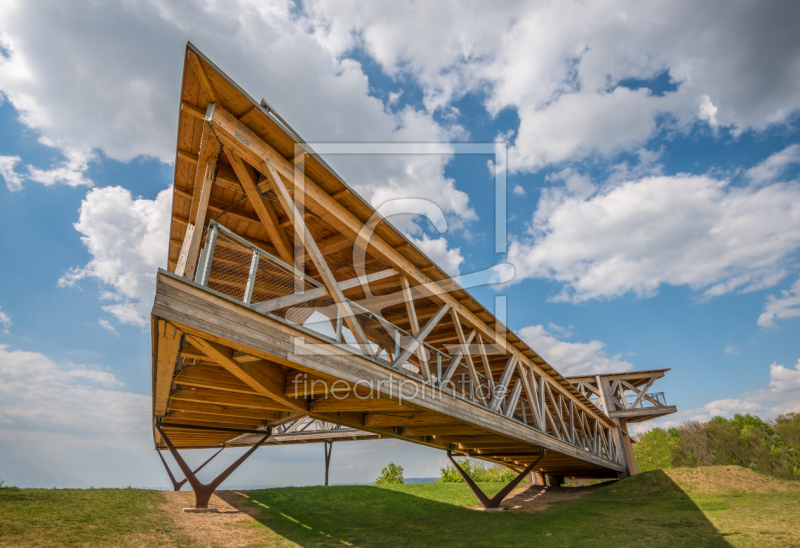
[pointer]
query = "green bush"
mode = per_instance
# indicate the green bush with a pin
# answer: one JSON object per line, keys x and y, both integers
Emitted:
{"x": 391, "y": 475}
{"x": 477, "y": 471}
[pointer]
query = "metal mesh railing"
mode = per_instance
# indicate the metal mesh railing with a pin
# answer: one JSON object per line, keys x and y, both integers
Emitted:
{"x": 240, "y": 270}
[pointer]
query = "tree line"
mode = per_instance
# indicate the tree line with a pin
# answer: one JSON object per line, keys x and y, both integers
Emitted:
{"x": 771, "y": 447}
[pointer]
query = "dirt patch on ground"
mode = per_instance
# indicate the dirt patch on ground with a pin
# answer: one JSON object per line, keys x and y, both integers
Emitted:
{"x": 230, "y": 527}
{"x": 715, "y": 480}
{"x": 534, "y": 498}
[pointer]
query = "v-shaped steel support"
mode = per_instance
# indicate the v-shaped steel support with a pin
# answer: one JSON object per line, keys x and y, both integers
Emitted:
{"x": 203, "y": 492}
{"x": 178, "y": 484}
{"x": 495, "y": 501}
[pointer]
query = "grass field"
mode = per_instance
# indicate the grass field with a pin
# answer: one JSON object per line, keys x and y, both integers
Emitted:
{"x": 721, "y": 506}
{"x": 85, "y": 517}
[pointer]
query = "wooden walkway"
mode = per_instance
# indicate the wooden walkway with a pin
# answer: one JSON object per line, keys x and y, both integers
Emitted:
{"x": 285, "y": 308}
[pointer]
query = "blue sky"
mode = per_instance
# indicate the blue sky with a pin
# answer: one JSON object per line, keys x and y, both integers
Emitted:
{"x": 653, "y": 195}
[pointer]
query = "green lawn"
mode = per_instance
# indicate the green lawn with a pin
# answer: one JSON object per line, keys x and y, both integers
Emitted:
{"x": 724, "y": 506}
{"x": 648, "y": 509}
{"x": 84, "y": 517}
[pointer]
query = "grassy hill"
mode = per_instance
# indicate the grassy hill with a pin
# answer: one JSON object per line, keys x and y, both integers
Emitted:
{"x": 714, "y": 506}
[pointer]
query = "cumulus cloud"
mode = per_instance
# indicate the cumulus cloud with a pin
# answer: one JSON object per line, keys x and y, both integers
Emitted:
{"x": 682, "y": 230}
{"x": 774, "y": 166}
{"x": 571, "y": 69}
{"x": 787, "y": 305}
{"x": 71, "y": 172}
{"x": 571, "y": 358}
{"x": 782, "y": 395}
{"x": 56, "y": 420}
{"x": 106, "y": 89}
{"x": 12, "y": 178}
{"x": 5, "y": 321}
{"x": 449, "y": 259}
{"x": 127, "y": 239}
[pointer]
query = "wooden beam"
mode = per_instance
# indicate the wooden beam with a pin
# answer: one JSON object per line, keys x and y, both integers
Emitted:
{"x": 202, "y": 77}
{"x": 412, "y": 317}
{"x": 416, "y": 343}
{"x": 265, "y": 378}
{"x": 642, "y": 393}
{"x": 317, "y": 292}
{"x": 192, "y": 110}
{"x": 264, "y": 210}
{"x": 168, "y": 344}
{"x": 228, "y": 400}
{"x": 261, "y": 155}
{"x": 204, "y": 180}
{"x": 302, "y": 233}
{"x": 454, "y": 363}
{"x": 473, "y": 374}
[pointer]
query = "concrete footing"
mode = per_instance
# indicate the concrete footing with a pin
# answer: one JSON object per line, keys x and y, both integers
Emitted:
{"x": 200, "y": 510}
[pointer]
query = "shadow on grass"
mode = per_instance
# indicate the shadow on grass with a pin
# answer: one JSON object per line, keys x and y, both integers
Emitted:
{"x": 647, "y": 509}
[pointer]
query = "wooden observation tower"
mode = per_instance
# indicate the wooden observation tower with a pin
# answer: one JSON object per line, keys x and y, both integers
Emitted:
{"x": 287, "y": 316}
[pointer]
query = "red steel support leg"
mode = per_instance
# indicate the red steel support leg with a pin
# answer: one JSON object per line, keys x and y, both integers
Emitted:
{"x": 178, "y": 484}
{"x": 202, "y": 493}
{"x": 495, "y": 501}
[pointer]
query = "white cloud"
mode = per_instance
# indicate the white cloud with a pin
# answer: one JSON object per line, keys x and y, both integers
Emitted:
{"x": 774, "y": 166}
{"x": 518, "y": 190}
{"x": 679, "y": 230}
{"x": 5, "y": 320}
{"x": 56, "y": 419}
{"x": 783, "y": 307}
{"x": 731, "y": 350}
{"x": 449, "y": 259}
{"x": 572, "y": 358}
{"x": 127, "y": 239}
{"x": 110, "y": 85}
{"x": 105, "y": 324}
{"x": 12, "y": 178}
{"x": 70, "y": 172}
{"x": 781, "y": 396}
{"x": 560, "y": 64}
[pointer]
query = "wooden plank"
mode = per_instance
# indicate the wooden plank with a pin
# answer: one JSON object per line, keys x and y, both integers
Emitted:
{"x": 352, "y": 403}
{"x": 228, "y": 400}
{"x": 265, "y": 378}
{"x": 169, "y": 342}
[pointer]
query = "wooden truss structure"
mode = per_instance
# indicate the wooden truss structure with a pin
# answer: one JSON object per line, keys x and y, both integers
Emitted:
{"x": 268, "y": 318}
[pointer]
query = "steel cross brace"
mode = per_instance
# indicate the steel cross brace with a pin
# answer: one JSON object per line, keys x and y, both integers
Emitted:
{"x": 495, "y": 501}
{"x": 178, "y": 484}
{"x": 203, "y": 492}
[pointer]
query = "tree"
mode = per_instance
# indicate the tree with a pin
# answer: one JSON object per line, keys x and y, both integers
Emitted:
{"x": 391, "y": 475}
{"x": 654, "y": 449}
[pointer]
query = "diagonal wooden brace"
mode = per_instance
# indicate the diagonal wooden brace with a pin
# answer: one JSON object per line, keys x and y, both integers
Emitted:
{"x": 178, "y": 484}
{"x": 495, "y": 501}
{"x": 203, "y": 492}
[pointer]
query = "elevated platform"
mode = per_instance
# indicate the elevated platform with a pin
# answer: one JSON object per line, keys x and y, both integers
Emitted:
{"x": 291, "y": 309}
